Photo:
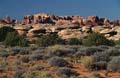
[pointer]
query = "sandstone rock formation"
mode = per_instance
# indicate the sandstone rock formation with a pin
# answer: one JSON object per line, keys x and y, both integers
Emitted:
{"x": 36, "y": 25}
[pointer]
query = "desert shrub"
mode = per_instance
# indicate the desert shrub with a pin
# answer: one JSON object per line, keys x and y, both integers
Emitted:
{"x": 3, "y": 62}
{"x": 4, "y": 31}
{"x": 38, "y": 67}
{"x": 30, "y": 74}
{"x": 13, "y": 39}
{"x": 2, "y": 69}
{"x": 117, "y": 46}
{"x": 58, "y": 50}
{"x": 99, "y": 65}
{"x": 96, "y": 39}
{"x": 86, "y": 61}
{"x": 16, "y": 62}
{"x": 113, "y": 52}
{"x": 67, "y": 72}
{"x": 103, "y": 47}
{"x": 39, "y": 50}
{"x": 74, "y": 41}
{"x": 25, "y": 59}
{"x": 36, "y": 56}
{"x": 76, "y": 57}
{"x": 3, "y": 65}
{"x": 100, "y": 57}
{"x": 19, "y": 50}
{"x": 48, "y": 40}
{"x": 33, "y": 47}
{"x": 114, "y": 64}
{"x": 4, "y": 54}
{"x": 19, "y": 73}
{"x": 57, "y": 62}
{"x": 96, "y": 75}
{"x": 89, "y": 50}
{"x": 46, "y": 74}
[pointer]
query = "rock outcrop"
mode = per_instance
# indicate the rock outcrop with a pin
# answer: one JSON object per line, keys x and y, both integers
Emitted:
{"x": 66, "y": 27}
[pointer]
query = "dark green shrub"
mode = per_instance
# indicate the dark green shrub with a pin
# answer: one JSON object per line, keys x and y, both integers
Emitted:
{"x": 114, "y": 64}
{"x": 13, "y": 39}
{"x": 67, "y": 72}
{"x": 4, "y": 31}
{"x": 57, "y": 62}
{"x": 74, "y": 41}
{"x": 48, "y": 40}
{"x": 96, "y": 39}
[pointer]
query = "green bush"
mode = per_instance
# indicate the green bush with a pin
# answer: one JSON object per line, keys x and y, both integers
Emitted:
{"x": 13, "y": 39}
{"x": 4, "y": 31}
{"x": 48, "y": 40}
{"x": 96, "y": 39}
{"x": 114, "y": 64}
{"x": 74, "y": 41}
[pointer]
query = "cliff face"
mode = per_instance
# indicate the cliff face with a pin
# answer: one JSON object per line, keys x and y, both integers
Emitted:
{"x": 35, "y": 25}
